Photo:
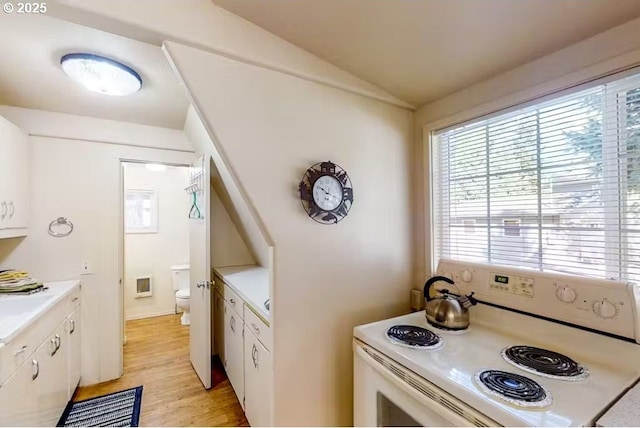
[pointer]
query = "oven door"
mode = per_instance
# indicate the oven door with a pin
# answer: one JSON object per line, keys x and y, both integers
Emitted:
{"x": 383, "y": 398}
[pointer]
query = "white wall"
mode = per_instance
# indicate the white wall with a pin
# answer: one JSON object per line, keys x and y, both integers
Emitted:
{"x": 202, "y": 23}
{"x": 79, "y": 179}
{"x": 152, "y": 254}
{"x": 233, "y": 197}
{"x": 228, "y": 248}
{"x": 614, "y": 50}
{"x": 271, "y": 127}
{"x": 60, "y": 125}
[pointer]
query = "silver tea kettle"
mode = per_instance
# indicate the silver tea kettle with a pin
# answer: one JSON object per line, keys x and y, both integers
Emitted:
{"x": 449, "y": 311}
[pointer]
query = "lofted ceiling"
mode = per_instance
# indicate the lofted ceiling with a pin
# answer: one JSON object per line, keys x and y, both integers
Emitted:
{"x": 31, "y": 77}
{"x": 423, "y": 50}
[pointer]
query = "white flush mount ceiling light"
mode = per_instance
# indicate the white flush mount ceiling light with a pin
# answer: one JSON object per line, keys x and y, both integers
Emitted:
{"x": 101, "y": 74}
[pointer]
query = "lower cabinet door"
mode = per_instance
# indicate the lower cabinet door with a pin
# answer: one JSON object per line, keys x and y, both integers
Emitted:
{"x": 233, "y": 344}
{"x": 18, "y": 406}
{"x": 218, "y": 325}
{"x": 73, "y": 338}
{"x": 258, "y": 375}
{"x": 51, "y": 383}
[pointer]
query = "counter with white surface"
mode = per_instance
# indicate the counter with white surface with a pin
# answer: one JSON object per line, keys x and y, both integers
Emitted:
{"x": 18, "y": 312}
{"x": 251, "y": 282}
{"x": 40, "y": 354}
{"x": 625, "y": 413}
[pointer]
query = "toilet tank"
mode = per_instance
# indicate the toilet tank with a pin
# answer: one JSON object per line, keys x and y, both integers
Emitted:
{"x": 180, "y": 276}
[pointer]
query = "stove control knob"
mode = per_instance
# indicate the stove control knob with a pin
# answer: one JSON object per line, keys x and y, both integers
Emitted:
{"x": 566, "y": 294}
{"x": 605, "y": 308}
{"x": 466, "y": 275}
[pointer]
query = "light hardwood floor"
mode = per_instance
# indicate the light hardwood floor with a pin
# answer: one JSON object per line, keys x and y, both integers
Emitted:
{"x": 157, "y": 356}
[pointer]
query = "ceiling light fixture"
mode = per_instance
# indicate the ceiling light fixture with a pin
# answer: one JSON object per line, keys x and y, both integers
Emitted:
{"x": 101, "y": 74}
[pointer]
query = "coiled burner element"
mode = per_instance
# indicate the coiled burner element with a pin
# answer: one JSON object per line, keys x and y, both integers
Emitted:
{"x": 544, "y": 362}
{"x": 513, "y": 388}
{"x": 414, "y": 337}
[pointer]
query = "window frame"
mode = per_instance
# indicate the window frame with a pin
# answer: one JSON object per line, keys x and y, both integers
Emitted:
{"x": 153, "y": 227}
{"x": 501, "y": 106}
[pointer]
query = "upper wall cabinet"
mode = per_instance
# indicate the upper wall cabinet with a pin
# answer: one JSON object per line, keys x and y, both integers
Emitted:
{"x": 14, "y": 180}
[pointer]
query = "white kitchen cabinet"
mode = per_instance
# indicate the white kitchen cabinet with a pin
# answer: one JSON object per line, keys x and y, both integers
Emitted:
{"x": 17, "y": 396}
{"x": 218, "y": 325}
{"x": 258, "y": 376}
{"x": 37, "y": 392}
{"x": 42, "y": 366}
{"x": 51, "y": 383}
{"x": 234, "y": 346}
{"x": 14, "y": 180}
{"x": 73, "y": 332}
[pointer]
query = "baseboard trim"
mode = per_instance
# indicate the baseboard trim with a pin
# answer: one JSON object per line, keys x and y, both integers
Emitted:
{"x": 150, "y": 315}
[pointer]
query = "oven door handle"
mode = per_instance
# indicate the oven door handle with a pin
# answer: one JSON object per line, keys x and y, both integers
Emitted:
{"x": 436, "y": 407}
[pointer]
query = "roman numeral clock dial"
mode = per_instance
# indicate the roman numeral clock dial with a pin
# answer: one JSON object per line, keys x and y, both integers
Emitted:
{"x": 326, "y": 193}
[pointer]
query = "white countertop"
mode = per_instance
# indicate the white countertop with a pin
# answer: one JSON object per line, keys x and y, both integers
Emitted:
{"x": 251, "y": 282}
{"x": 18, "y": 312}
{"x": 625, "y": 413}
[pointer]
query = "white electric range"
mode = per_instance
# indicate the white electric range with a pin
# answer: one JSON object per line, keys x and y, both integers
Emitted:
{"x": 573, "y": 341}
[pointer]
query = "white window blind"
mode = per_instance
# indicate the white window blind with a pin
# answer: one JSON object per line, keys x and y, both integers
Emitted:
{"x": 553, "y": 186}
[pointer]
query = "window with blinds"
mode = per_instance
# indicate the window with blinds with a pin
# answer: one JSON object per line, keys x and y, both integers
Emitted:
{"x": 553, "y": 186}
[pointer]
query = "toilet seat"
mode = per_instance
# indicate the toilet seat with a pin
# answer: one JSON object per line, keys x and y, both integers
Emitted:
{"x": 183, "y": 294}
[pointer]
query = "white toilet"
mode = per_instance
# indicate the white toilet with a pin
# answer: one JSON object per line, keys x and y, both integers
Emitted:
{"x": 180, "y": 279}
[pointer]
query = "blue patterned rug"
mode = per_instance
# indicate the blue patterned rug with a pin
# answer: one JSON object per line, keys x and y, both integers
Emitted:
{"x": 118, "y": 409}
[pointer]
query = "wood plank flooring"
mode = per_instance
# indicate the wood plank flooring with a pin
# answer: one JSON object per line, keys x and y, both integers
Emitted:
{"x": 157, "y": 356}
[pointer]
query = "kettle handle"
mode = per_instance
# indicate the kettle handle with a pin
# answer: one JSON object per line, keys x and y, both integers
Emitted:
{"x": 431, "y": 281}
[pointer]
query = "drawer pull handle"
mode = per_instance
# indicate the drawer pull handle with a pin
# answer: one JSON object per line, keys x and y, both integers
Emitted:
{"x": 255, "y": 328}
{"x": 21, "y": 350}
{"x": 232, "y": 324}
{"x": 233, "y": 302}
{"x": 75, "y": 299}
{"x": 35, "y": 364}
{"x": 73, "y": 326}
{"x": 254, "y": 355}
{"x": 56, "y": 344}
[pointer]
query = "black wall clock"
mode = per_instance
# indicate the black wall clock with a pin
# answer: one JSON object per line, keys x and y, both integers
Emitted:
{"x": 326, "y": 192}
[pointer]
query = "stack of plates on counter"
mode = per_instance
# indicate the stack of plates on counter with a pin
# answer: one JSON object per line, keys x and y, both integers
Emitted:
{"x": 17, "y": 281}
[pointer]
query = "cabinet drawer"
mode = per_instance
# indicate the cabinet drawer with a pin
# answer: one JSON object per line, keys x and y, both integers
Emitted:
{"x": 234, "y": 301}
{"x": 257, "y": 327}
{"x": 23, "y": 345}
{"x": 73, "y": 299}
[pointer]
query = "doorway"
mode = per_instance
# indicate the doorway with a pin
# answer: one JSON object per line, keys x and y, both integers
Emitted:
{"x": 155, "y": 242}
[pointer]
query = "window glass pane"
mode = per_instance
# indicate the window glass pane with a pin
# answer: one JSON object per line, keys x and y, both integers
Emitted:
{"x": 140, "y": 211}
{"x": 553, "y": 186}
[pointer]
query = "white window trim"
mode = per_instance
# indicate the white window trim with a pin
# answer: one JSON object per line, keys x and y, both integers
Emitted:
{"x": 575, "y": 82}
{"x": 153, "y": 228}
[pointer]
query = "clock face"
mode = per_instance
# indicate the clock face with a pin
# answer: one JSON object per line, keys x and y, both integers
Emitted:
{"x": 327, "y": 193}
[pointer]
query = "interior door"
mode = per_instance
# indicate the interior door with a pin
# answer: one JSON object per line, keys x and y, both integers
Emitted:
{"x": 200, "y": 260}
